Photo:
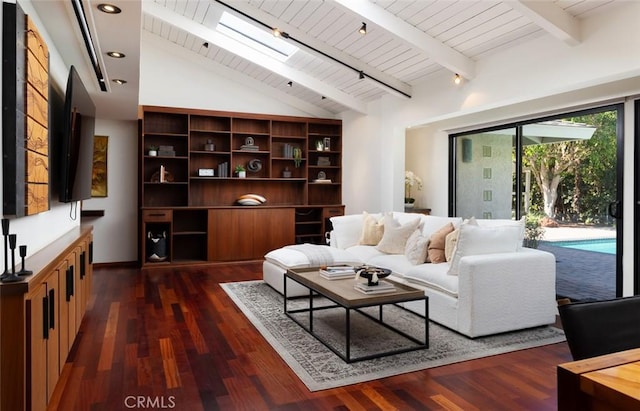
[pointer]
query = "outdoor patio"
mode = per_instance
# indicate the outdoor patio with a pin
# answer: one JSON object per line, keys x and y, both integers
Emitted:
{"x": 582, "y": 275}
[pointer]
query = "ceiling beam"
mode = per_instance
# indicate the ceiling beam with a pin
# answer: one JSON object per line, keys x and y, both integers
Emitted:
{"x": 550, "y": 18}
{"x": 247, "y": 53}
{"x": 436, "y": 50}
{"x": 317, "y": 47}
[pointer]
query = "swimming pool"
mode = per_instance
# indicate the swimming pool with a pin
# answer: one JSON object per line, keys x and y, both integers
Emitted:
{"x": 600, "y": 245}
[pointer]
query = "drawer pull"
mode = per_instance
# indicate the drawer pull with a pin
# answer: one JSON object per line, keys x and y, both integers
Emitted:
{"x": 157, "y": 215}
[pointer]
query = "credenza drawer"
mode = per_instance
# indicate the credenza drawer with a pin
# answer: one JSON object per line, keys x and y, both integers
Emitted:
{"x": 157, "y": 215}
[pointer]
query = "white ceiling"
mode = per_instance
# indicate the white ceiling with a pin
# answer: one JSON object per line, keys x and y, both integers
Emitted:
{"x": 407, "y": 42}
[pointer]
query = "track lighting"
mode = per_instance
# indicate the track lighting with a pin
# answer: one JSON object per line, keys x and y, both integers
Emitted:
{"x": 290, "y": 84}
{"x": 363, "y": 28}
{"x": 278, "y": 33}
{"x": 205, "y": 44}
{"x": 457, "y": 79}
{"x": 361, "y": 75}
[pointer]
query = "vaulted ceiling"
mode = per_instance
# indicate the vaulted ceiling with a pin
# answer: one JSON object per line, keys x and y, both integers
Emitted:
{"x": 337, "y": 68}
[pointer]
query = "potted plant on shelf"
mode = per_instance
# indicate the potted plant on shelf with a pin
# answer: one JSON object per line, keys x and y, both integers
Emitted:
{"x": 240, "y": 171}
{"x": 153, "y": 151}
{"x": 297, "y": 156}
{"x": 410, "y": 180}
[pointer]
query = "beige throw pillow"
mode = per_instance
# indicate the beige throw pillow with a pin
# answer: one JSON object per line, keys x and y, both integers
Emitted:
{"x": 395, "y": 236}
{"x": 372, "y": 229}
{"x": 416, "y": 248}
{"x": 437, "y": 243}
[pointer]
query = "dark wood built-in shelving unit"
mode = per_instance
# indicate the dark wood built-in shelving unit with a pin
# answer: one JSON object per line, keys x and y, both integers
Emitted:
{"x": 198, "y": 214}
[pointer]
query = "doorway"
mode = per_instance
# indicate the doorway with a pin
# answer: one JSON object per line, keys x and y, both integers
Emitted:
{"x": 564, "y": 175}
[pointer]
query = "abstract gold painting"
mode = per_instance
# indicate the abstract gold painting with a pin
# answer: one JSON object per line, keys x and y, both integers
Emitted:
{"x": 99, "y": 177}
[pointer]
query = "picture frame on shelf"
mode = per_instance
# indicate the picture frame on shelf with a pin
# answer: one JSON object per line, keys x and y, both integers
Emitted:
{"x": 327, "y": 144}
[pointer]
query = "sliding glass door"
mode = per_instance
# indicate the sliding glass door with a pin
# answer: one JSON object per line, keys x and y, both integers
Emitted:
{"x": 563, "y": 174}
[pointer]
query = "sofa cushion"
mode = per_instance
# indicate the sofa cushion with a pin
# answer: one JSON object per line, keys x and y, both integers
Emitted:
{"x": 287, "y": 257}
{"x": 498, "y": 222}
{"x": 476, "y": 240}
{"x": 435, "y": 251}
{"x": 432, "y": 223}
{"x": 395, "y": 235}
{"x": 416, "y": 248}
{"x": 433, "y": 276}
{"x": 372, "y": 229}
{"x": 364, "y": 253}
{"x": 397, "y": 263}
{"x": 346, "y": 230}
{"x": 452, "y": 239}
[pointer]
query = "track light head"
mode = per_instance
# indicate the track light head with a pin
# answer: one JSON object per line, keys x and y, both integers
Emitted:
{"x": 276, "y": 32}
{"x": 290, "y": 84}
{"x": 457, "y": 79}
{"x": 361, "y": 75}
{"x": 363, "y": 28}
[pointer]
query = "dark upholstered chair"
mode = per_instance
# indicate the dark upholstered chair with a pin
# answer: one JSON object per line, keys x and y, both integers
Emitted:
{"x": 601, "y": 327}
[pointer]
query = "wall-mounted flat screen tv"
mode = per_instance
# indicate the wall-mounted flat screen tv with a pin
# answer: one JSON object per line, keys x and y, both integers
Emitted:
{"x": 76, "y": 141}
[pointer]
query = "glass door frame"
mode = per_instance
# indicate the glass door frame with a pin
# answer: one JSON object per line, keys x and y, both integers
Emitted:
{"x": 518, "y": 125}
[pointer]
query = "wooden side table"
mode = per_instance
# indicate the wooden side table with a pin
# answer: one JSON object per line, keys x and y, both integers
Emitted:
{"x": 425, "y": 211}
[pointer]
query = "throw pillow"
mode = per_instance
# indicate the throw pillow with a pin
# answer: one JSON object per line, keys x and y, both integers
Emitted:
{"x": 452, "y": 239}
{"x": 477, "y": 240}
{"x": 395, "y": 236}
{"x": 416, "y": 248}
{"x": 437, "y": 243}
{"x": 372, "y": 230}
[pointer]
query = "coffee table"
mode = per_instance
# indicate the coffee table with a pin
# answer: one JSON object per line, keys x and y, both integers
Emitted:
{"x": 343, "y": 294}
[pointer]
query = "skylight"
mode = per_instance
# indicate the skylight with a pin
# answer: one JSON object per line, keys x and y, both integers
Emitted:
{"x": 254, "y": 37}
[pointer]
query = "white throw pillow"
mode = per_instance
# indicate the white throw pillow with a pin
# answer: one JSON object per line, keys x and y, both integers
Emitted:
{"x": 395, "y": 235}
{"x": 476, "y": 240}
{"x": 505, "y": 222}
{"x": 416, "y": 248}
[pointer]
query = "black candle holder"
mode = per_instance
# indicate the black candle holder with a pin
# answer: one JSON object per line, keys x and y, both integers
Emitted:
{"x": 5, "y": 233}
{"x": 23, "y": 254}
{"x": 12, "y": 277}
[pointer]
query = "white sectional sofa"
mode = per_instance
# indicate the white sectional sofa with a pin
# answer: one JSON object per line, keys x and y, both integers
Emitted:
{"x": 491, "y": 284}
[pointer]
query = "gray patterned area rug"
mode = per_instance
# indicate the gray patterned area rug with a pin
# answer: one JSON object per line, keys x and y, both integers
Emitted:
{"x": 319, "y": 368}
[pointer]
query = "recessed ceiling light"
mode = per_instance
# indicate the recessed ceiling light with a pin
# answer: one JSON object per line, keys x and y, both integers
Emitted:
{"x": 119, "y": 81}
{"x": 115, "y": 54}
{"x": 109, "y": 8}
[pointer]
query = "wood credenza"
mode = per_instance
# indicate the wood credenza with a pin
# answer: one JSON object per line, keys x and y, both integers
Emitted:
{"x": 40, "y": 318}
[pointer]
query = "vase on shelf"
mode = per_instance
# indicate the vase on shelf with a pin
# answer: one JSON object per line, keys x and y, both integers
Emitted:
{"x": 409, "y": 205}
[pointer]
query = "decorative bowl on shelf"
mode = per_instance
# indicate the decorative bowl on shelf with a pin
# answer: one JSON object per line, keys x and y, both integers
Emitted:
{"x": 372, "y": 274}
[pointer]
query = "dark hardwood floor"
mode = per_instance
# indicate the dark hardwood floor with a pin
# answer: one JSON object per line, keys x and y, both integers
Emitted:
{"x": 172, "y": 339}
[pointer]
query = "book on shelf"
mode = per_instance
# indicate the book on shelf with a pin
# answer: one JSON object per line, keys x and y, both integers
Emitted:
{"x": 382, "y": 287}
{"x": 337, "y": 272}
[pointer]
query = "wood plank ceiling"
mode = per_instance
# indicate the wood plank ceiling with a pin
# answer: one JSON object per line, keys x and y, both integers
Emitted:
{"x": 407, "y": 42}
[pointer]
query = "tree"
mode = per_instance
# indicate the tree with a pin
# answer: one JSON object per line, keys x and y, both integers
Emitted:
{"x": 584, "y": 171}
{"x": 547, "y": 163}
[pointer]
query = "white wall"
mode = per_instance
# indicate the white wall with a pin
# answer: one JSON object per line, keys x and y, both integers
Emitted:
{"x": 118, "y": 229}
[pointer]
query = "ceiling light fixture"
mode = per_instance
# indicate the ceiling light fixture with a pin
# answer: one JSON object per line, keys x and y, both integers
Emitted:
{"x": 277, "y": 32}
{"x": 119, "y": 81}
{"x": 363, "y": 28}
{"x": 361, "y": 75}
{"x": 457, "y": 79}
{"x": 109, "y": 8}
{"x": 116, "y": 54}
{"x": 205, "y": 44}
{"x": 290, "y": 84}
